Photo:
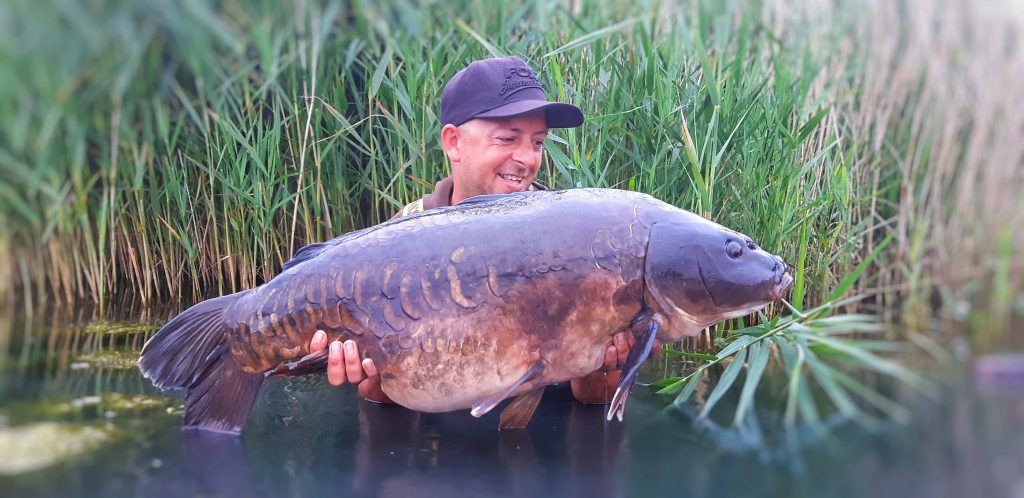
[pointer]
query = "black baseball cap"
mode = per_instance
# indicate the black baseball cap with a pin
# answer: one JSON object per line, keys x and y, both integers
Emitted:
{"x": 501, "y": 88}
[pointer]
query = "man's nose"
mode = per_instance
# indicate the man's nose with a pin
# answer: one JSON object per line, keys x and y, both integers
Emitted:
{"x": 524, "y": 153}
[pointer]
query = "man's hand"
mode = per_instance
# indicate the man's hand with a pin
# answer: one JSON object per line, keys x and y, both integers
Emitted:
{"x": 599, "y": 386}
{"x": 344, "y": 367}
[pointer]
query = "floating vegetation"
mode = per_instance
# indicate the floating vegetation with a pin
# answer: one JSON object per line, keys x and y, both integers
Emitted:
{"x": 111, "y": 359}
{"x": 106, "y": 406}
{"x": 110, "y": 405}
{"x": 40, "y": 445}
{"x": 119, "y": 328}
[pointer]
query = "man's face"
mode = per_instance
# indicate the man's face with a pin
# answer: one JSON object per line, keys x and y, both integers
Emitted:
{"x": 496, "y": 156}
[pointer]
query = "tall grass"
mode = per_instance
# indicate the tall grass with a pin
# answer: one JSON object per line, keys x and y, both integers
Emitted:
{"x": 174, "y": 151}
{"x": 939, "y": 121}
{"x": 180, "y": 152}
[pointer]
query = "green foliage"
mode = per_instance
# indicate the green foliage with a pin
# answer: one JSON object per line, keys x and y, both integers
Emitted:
{"x": 815, "y": 351}
{"x": 177, "y": 151}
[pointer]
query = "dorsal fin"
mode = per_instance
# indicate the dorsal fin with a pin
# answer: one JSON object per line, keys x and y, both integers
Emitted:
{"x": 311, "y": 251}
{"x": 305, "y": 254}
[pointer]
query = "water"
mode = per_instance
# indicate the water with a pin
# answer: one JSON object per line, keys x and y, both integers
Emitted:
{"x": 76, "y": 419}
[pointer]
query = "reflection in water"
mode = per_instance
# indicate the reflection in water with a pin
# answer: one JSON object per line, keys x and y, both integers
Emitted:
{"x": 217, "y": 464}
{"x": 594, "y": 445}
{"x": 389, "y": 438}
{"x": 402, "y": 453}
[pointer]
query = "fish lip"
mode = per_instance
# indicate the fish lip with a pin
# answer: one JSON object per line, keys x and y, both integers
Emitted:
{"x": 780, "y": 288}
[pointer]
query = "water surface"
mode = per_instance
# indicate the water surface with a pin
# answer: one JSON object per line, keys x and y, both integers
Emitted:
{"x": 77, "y": 419}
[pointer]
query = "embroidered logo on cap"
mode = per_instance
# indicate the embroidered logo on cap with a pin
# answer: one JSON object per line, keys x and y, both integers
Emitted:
{"x": 518, "y": 78}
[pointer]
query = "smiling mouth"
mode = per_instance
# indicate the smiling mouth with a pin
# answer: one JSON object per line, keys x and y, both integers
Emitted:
{"x": 515, "y": 181}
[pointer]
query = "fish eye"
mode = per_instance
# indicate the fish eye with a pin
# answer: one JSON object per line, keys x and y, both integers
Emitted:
{"x": 733, "y": 249}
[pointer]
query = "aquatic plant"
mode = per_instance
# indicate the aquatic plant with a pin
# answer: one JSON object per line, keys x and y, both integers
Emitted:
{"x": 111, "y": 327}
{"x": 815, "y": 352}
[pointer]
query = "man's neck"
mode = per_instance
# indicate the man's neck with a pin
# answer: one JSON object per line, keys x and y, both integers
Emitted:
{"x": 456, "y": 196}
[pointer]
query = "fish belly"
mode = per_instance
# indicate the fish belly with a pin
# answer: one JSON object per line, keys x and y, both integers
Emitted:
{"x": 457, "y": 371}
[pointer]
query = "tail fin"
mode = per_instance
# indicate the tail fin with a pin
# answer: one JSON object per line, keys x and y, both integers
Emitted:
{"x": 192, "y": 352}
{"x": 222, "y": 399}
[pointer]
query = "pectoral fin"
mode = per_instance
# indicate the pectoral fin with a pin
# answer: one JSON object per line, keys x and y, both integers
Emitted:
{"x": 311, "y": 363}
{"x": 487, "y": 404}
{"x": 519, "y": 412}
{"x": 636, "y": 357}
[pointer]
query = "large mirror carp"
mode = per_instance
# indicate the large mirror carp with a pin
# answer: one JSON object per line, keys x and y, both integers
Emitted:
{"x": 465, "y": 306}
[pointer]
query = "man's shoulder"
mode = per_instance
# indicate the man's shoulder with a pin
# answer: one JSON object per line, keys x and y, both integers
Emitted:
{"x": 410, "y": 209}
{"x": 441, "y": 196}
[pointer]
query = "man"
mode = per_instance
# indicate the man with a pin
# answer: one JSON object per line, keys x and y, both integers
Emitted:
{"x": 495, "y": 119}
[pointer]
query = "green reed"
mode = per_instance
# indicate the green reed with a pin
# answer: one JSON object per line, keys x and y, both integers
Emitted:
{"x": 174, "y": 151}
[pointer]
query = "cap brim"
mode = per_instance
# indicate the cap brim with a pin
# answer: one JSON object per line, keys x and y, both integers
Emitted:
{"x": 556, "y": 114}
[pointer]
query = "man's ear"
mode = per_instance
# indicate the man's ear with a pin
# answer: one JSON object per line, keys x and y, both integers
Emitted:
{"x": 450, "y": 140}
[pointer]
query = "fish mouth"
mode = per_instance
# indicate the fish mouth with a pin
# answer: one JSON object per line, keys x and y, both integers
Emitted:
{"x": 780, "y": 288}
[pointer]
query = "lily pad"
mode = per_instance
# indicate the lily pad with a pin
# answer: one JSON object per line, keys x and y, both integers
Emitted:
{"x": 32, "y": 447}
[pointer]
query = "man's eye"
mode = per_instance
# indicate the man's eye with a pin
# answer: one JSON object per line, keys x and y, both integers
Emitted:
{"x": 538, "y": 143}
{"x": 506, "y": 140}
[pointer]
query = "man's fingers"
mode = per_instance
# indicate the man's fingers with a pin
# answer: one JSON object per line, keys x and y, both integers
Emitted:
{"x": 370, "y": 388}
{"x": 630, "y": 340}
{"x": 611, "y": 356}
{"x": 353, "y": 367}
{"x": 621, "y": 347}
{"x": 319, "y": 342}
{"x": 369, "y": 368}
{"x": 336, "y": 365}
